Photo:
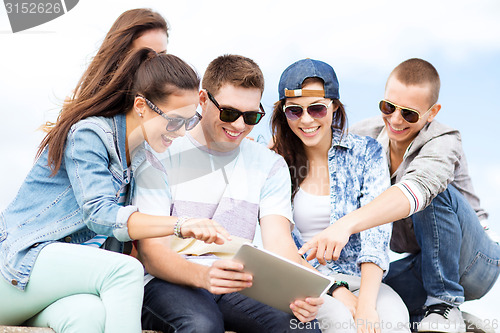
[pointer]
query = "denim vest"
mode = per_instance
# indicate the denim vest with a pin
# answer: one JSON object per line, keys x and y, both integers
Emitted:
{"x": 358, "y": 174}
{"x": 77, "y": 203}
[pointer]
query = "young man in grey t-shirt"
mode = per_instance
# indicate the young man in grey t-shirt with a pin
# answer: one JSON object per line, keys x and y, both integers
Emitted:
{"x": 437, "y": 213}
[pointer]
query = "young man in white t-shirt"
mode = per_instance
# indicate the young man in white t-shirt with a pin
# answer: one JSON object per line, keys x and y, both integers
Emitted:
{"x": 214, "y": 173}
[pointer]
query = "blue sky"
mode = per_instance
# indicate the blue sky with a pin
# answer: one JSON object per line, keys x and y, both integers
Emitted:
{"x": 363, "y": 40}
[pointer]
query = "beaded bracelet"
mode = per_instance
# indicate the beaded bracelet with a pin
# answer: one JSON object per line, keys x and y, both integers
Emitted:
{"x": 178, "y": 226}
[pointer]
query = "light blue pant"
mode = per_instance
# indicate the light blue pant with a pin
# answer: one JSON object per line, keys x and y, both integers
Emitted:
{"x": 458, "y": 261}
{"x": 76, "y": 288}
{"x": 76, "y": 313}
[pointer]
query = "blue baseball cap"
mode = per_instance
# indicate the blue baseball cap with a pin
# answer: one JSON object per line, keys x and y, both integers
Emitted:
{"x": 291, "y": 80}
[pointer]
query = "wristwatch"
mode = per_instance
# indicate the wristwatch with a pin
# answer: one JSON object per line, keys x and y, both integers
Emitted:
{"x": 335, "y": 285}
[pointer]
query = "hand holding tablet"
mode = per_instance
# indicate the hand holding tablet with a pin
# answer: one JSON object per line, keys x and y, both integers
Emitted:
{"x": 278, "y": 281}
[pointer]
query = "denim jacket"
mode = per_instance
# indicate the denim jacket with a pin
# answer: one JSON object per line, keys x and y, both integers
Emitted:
{"x": 77, "y": 203}
{"x": 358, "y": 173}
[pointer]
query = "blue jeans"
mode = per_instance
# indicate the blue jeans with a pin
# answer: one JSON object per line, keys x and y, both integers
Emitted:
{"x": 174, "y": 308}
{"x": 457, "y": 262}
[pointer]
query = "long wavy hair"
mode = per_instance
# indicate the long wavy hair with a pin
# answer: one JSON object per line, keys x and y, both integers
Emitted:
{"x": 129, "y": 26}
{"x": 289, "y": 145}
{"x": 155, "y": 76}
{"x": 117, "y": 44}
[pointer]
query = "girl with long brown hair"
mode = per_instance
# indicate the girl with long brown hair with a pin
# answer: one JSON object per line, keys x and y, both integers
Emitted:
{"x": 133, "y": 29}
{"x": 79, "y": 189}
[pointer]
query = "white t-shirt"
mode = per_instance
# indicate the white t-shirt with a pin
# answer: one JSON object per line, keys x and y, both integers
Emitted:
{"x": 311, "y": 213}
{"x": 235, "y": 189}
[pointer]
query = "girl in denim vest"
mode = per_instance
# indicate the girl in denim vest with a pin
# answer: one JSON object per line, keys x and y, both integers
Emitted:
{"x": 77, "y": 195}
{"x": 334, "y": 173}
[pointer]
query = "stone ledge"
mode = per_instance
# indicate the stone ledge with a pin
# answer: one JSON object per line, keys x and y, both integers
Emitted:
{"x": 19, "y": 329}
{"x": 23, "y": 329}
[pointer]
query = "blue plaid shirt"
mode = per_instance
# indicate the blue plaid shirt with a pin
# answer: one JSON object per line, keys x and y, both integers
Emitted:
{"x": 358, "y": 174}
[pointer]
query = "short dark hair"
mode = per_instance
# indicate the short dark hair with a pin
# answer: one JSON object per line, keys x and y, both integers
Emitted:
{"x": 232, "y": 69}
{"x": 417, "y": 71}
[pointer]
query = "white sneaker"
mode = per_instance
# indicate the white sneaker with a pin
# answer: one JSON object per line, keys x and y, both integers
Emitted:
{"x": 477, "y": 325}
{"x": 442, "y": 318}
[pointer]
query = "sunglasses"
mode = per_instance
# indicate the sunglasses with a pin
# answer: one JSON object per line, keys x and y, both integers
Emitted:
{"x": 174, "y": 123}
{"x": 410, "y": 115}
{"x": 229, "y": 115}
{"x": 315, "y": 110}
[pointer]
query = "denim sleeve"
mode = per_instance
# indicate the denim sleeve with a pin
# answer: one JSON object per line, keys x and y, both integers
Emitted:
{"x": 375, "y": 241}
{"x": 87, "y": 163}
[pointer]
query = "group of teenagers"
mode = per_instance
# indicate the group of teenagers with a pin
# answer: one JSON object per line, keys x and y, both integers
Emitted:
{"x": 131, "y": 161}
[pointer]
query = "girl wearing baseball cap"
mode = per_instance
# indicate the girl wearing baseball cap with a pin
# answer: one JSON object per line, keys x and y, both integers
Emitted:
{"x": 333, "y": 173}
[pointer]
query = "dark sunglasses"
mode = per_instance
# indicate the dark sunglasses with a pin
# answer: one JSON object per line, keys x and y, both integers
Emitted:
{"x": 315, "y": 110}
{"x": 410, "y": 115}
{"x": 174, "y": 123}
{"x": 229, "y": 115}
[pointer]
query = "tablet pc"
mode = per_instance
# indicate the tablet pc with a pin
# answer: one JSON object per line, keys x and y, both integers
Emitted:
{"x": 278, "y": 281}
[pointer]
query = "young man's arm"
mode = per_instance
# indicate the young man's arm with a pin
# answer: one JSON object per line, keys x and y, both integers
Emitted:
{"x": 427, "y": 175}
{"x": 152, "y": 195}
{"x": 391, "y": 205}
{"x": 224, "y": 276}
{"x": 276, "y": 237}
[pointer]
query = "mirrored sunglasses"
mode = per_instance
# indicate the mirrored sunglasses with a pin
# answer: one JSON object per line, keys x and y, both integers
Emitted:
{"x": 315, "y": 110}
{"x": 410, "y": 115}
